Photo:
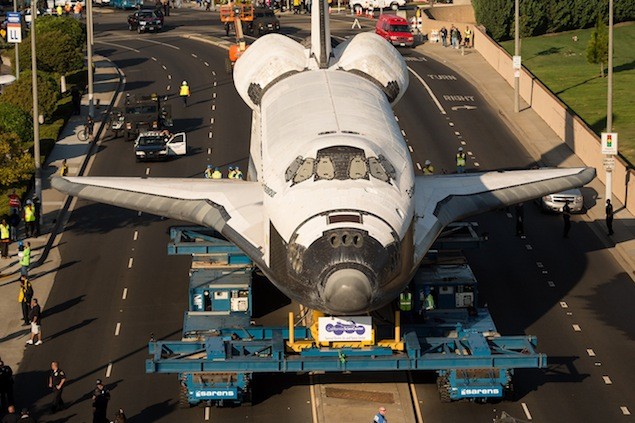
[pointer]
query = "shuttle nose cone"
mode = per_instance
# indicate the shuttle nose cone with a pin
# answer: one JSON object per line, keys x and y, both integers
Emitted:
{"x": 347, "y": 291}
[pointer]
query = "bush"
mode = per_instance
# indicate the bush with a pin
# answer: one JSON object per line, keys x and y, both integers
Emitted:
{"x": 16, "y": 163}
{"x": 496, "y": 15}
{"x": 533, "y": 18}
{"x": 67, "y": 25}
{"x": 20, "y": 93}
{"x": 17, "y": 121}
{"x": 56, "y": 52}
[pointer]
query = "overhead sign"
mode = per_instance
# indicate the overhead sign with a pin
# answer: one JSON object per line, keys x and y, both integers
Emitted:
{"x": 609, "y": 163}
{"x": 609, "y": 142}
{"x": 354, "y": 328}
{"x": 14, "y": 33}
{"x": 14, "y": 17}
{"x": 517, "y": 62}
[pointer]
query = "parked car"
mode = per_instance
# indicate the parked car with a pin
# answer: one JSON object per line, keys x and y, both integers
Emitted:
{"x": 555, "y": 202}
{"x": 146, "y": 20}
{"x": 265, "y": 21}
{"x": 395, "y": 30}
{"x": 358, "y": 6}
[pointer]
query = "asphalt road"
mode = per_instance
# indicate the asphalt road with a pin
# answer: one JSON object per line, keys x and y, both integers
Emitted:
{"x": 107, "y": 251}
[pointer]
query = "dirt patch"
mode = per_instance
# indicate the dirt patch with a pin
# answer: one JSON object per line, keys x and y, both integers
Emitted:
{"x": 354, "y": 394}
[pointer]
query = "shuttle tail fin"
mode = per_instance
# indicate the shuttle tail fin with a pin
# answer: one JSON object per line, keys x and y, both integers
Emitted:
{"x": 320, "y": 33}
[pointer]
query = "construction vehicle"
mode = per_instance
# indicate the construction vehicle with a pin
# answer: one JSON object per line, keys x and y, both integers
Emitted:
{"x": 233, "y": 15}
{"x": 222, "y": 349}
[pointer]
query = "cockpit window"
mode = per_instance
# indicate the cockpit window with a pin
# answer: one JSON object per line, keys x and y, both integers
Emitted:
{"x": 340, "y": 163}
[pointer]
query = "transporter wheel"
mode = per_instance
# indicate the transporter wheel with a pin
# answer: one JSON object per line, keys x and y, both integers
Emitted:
{"x": 183, "y": 401}
{"x": 443, "y": 385}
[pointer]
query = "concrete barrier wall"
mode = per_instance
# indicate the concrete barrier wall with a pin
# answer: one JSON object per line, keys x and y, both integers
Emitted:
{"x": 463, "y": 14}
{"x": 567, "y": 125}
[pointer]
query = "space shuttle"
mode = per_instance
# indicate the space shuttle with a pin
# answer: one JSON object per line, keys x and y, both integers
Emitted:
{"x": 331, "y": 211}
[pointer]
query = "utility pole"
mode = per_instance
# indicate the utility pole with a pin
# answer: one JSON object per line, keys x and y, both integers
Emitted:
{"x": 89, "y": 52}
{"x": 36, "y": 113}
{"x": 609, "y": 106}
{"x": 516, "y": 64}
{"x": 17, "y": 56}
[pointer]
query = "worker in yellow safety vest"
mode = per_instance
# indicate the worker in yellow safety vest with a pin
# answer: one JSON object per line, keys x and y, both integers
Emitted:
{"x": 460, "y": 161}
{"x": 231, "y": 173}
{"x": 184, "y": 92}
{"x": 405, "y": 301}
{"x": 208, "y": 172}
{"x": 428, "y": 169}
{"x": 467, "y": 40}
{"x": 238, "y": 174}
{"x": 217, "y": 174}
{"x": 59, "y": 10}
{"x": 5, "y": 238}
{"x": 29, "y": 218}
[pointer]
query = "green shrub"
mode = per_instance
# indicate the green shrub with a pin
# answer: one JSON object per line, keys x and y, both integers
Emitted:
{"x": 20, "y": 93}
{"x": 17, "y": 121}
{"x": 67, "y": 25}
{"x": 56, "y": 52}
{"x": 533, "y": 18}
{"x": 16, "y": 163}
{"x": 496, "y": 15}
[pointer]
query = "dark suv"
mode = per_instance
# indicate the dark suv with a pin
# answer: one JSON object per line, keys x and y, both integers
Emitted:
{"x": 145, "y": 113}
{"x": 146, "y": 20}
{"x": 265, "y": 21}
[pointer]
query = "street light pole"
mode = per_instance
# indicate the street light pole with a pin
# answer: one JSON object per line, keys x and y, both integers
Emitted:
{"x": 516, "y": 54}
{"x": 609, "y": 102}
{"x": 36, "y": 113}
{"x": 17, "y": 56}
{"x": 89, "y": 52}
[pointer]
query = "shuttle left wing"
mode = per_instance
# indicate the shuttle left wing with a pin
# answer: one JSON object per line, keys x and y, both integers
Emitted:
{"x": 233, "y": 208}
{"x": 443, "y": 199}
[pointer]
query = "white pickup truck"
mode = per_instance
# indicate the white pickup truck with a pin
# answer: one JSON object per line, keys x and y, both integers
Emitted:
{"x": 358, "y": 6}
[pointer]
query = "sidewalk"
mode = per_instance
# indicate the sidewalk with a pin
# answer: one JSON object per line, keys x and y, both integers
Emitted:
{"x": 543, "y": 144}
{"x": 45, "y": 256}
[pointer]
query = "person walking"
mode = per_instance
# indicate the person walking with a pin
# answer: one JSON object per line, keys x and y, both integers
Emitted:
{"x": 428, "y": 169}
{"x": 25, "y": 260}
{"x": 231, "y": 173}
{"x": 609, "y": 216}
{"x": 444, "y": 36}
{"x": 468, "y": 37}
{"x": 380, "y": 417}
{"x": 5, "y": 238}
{"x": 238, "y": 174}
{"x": 35, "y": 317}
{"x": 57, "y": 379}
{"x": 14, "y": 202}
{"x": 67, "y": 9}
{"x": 566, "y": 215}
{"x": 64, "y": 168}
{"x": 11, "y": 416}
{"x": 217, "y": 174}
{"x": 454, "y": 36}
{"x": 29, "y": 219}
{"x": 520, "y": 220}
{"x": 6, "y": 387}
{"x": 208, "y": 172}
{"x": 24, "y": 298}
{"x": 184, "y": 92}
{"x": 101, "y": 396}
{"x": 14, "y": 224}
{"x": 460, "y": 161}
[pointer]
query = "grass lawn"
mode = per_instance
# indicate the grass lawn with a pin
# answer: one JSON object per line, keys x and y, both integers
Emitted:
{"x": 560, "y": 63}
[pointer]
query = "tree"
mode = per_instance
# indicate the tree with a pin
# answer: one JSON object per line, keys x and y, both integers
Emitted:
{"x": 17, "y": 121}
{"x": 16, "y": 163}
{"x": 533, "y": 17}
{"x": 20, "y": 93}
{"x": 496, "y": 15}
{"x": 67, "y": 25}
{"x": 597, "y": 51}
{"x": 56, "y": 52}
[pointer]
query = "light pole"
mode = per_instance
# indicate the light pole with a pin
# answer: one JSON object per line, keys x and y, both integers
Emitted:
{"x": 17, "y": 56}
{"x": 609, "y": 104}
{"x": 516, "y": 57}
{"x": 36, "y": 113}
{"x": 89, "y": 52}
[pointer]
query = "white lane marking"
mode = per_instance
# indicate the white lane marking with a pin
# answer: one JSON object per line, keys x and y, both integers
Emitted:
{"x": 215, "y": 83}
{"x": 117, "y": 328}
{"x": 396, "y": 118}
{"x": 509, "y": 215}
{"x": 410, "y": 148}
{"x": 526, "y": 410}
{"x": 168, "y": 88}
{"x": 539, "y": 264}
{"x": 138, "y": 213}
{"x": 135, "y": 236}
{"x": 463, "y": 143}
{"x": 206, "y": 64}
{"x": 564, "y": 305}
{"x": 625, "y": 410}
{"x": 529, "y": 247}
{"x": 147, "y": 170}
{"x": 209, "y": 151}
{"x": 164, "y": 67}
{"x": 477, "y": 164}
{"x": 418, "y": 166}
{"x": 577, "y": 328}
{"x": 427, "y": 87}
{"x": 403, "y": 132}
{"x": 169, "y": 76}
{"x": 451, "y": 123}
{"x": 211, "y": 120}
{"x": 130, "y": 263}
{"x": 469, "y": 153}
{"x": 544, "y": 272}
{"x": 590, "y": 352}
{"x": 125, "y": 294}
{"x": 457, "y": 133}
{"x": 207, "y": 412}
{"x": 194, "y": 56}
{"x": 119, "y": 46}
{"x": 152, "y": 42}
{"x": 214, "y": 73}
{"x": 213, "y": 107}
{"x": 154, "y": 58}
{"x": 607, "y": 380}
{"x": 213, "y": 95}
{"x": 109, "y": 370}
{"x": 551, "y": 284}
{"x": 211, "y": 134}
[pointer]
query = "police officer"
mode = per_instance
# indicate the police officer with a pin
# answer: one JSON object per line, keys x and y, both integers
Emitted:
{"x": 101, "y": 396}
{"x": 217, "y": 174}
{"x": 184, "y": 92}
{"x": 57, "y": 379}
{"x": 428, "y": 169}
{"x": 460, "y": 161}
{"x": 208, "y": 172}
